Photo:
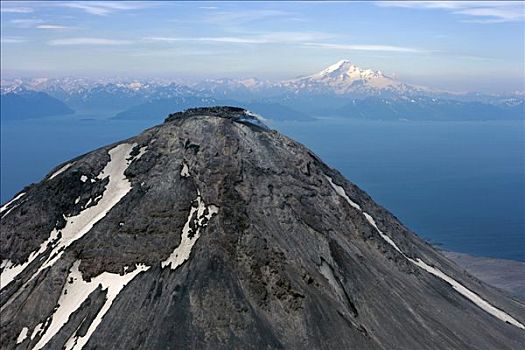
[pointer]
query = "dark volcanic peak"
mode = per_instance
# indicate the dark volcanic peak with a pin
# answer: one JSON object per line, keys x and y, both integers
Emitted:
{"x": 205, "y": 232}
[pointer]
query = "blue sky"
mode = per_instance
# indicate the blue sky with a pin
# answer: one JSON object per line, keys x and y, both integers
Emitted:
{"x": 451, "y": 45}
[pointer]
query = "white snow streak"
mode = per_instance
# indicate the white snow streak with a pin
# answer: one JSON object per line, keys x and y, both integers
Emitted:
{"x": 473, "y": 297}
{"x": 7, "y": 212}
{"x": 75, "y": 292}
{"x": 5, "y": 206}
{"x": 60, "y": 171}
{"x": 476, "y": 299}
{"x": 10, "y": 270}
{"x": 199, "y": 216}
{"x": 22, "y": 336}
{"x": 83, "y": 178}
{"x": 77, "y": 226}
{"x": 37, "y": 330}
{"x": 340, "y": 191}
{"x": 372, "y": 222}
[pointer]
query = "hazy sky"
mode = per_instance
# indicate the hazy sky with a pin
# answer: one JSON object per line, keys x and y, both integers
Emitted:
{"x": 453, "y": 45}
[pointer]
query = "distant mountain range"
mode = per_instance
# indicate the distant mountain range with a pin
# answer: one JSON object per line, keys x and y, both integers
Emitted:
{"x": 428, "y": 108}
{"x": 157, "y": 108}
{"x": 342, "y": 89}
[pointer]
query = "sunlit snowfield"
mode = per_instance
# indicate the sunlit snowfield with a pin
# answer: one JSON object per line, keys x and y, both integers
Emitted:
{"x": 458, "y": 184}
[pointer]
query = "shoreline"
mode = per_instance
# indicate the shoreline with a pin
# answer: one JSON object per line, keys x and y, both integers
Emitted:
{"x": 507, "y": 275}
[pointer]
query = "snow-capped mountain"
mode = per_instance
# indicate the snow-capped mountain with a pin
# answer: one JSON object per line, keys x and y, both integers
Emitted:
{"x": 327, "y": 92}
{"x": 246, "y": 89}
{"x": 346, "y": 78}
{"x": 115, "y": 95}
{"x": 340, "y": 80}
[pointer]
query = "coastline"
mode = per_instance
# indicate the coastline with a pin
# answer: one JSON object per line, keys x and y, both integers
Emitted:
{"x": 507, "y": 275}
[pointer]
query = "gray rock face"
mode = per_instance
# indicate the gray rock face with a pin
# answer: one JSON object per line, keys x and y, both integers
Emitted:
{"x": 212, "y": 231}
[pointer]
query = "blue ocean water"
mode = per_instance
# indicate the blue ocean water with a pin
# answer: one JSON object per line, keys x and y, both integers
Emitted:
{"x": 460, "y": 185}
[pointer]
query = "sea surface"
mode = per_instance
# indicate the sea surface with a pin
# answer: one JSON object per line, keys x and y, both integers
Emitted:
{"x": 460, "y": 185}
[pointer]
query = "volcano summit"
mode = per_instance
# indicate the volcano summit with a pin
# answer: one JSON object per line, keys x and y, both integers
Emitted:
{"x": 213, "y": 231}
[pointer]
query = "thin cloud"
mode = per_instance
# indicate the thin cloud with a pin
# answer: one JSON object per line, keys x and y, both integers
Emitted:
{"x": 385, "y": 48}
{"x": 51, "y": 26}
{"x": 102, "y": 8}
{"x": 446, "y": 4}
{"x": 36, "y": 23}
{"x": 259, "y": 38}
{"x": 295, "y": 37}
{"x": 485, "y": 21}
{"x": 477, "y": 58}
{"x": 177, "y": 53}
{"x": 238, "y": 17}
{"x": 88, "y": 41}
{"x": 12, "y": 40}
{"x": 483, "y": 11}
{"x": 16, "y": 10}
{"x": 25, "y": 22}
{"x": 224, "y": 39}
{"x": 497, "y": 13}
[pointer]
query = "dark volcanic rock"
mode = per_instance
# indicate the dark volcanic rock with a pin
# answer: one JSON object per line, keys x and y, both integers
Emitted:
{"x": 212, "y": 231}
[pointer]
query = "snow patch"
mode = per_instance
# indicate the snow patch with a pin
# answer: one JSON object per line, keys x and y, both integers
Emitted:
{"x": 77, "y": 226}
{"x": 467, "y": 293}
{"x": 83, "y": 178}
{"x": 185, "y": 171}
{"x": 10, "y": 270}
{"x": 198, "y": 218}
{"x": 22, "y": 336}
{"x": 37, "y": 331}
{"x": 75, "y": 292}
{"x": 60, "y": 171}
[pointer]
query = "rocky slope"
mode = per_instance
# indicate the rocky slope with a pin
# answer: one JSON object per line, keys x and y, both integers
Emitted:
{"x": 212, "y": 231}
